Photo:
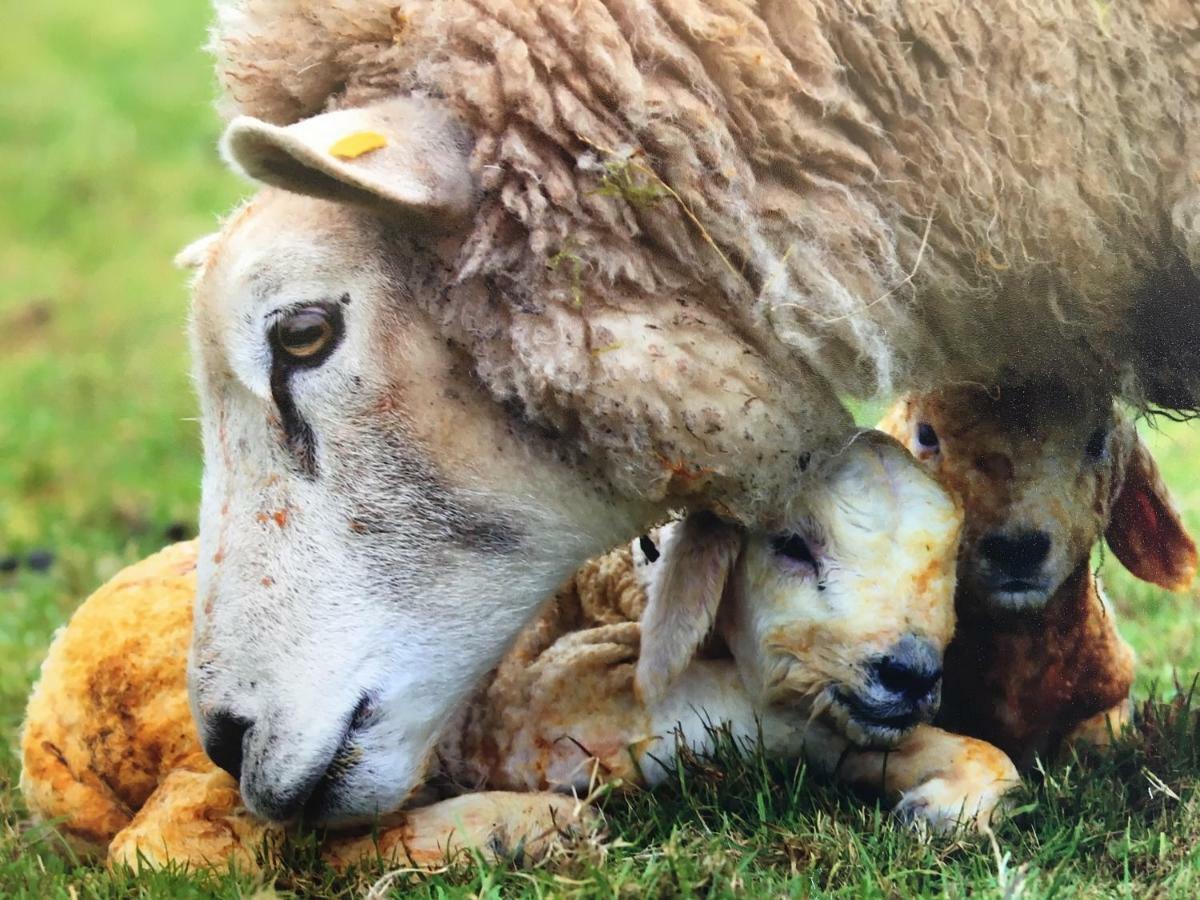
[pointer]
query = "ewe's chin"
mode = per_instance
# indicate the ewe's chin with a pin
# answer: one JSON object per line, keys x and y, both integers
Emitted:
{"x": 369, "y": 779}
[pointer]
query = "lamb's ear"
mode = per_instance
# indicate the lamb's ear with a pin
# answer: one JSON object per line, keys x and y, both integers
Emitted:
{"x": 406, "y": 155}
{"x": 684, "y": 592}
{"x": 1145, "y": 531}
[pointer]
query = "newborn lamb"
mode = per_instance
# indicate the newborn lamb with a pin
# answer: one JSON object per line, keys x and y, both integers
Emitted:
{"x": 829, "y": 634}
{"x": 1043, "y": 471}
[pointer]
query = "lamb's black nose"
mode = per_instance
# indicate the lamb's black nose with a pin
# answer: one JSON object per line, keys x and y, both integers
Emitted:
{"x": 902, "y": 690}
{"x": 911, "y": 672}
{"x": 224, "y": 735}
{"x": 1017, "y": 555}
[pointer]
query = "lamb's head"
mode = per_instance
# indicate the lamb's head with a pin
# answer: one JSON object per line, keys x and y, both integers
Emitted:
{"x": 1043, "y": 471}
{"x": 375, "y": 528}
{"x": 843, "y": 615}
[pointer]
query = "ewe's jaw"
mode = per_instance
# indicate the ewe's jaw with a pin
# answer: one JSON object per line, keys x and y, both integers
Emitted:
{"x": 350, "y": 595}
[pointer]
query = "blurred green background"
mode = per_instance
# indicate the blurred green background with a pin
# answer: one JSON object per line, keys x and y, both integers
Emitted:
{"x": 108, "y": 167}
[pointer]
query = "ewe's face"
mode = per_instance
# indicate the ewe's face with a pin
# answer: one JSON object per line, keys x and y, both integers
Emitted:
{"x": 1037, "y": 471}
{"x": 849, "y": 611}
{"x": 367, "y": 514}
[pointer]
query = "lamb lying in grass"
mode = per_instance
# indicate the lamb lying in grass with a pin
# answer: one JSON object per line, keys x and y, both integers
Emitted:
{"x": 1042, "y": 472}
{"x": 825, "y": 634}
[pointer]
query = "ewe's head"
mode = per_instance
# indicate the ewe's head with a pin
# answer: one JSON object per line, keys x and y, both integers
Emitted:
{"x": 1043, "y": 472}
{"x": 844, "y": 615}
{"x": 374, "y": 528}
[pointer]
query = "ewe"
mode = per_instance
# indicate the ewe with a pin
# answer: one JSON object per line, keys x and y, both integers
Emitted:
{"x": 828, "y": 631}
{"x": 1042, "y": 471}
{"x": 582, "y": 261}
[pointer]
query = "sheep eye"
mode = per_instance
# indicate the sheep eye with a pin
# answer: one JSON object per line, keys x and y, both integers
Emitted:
{"x": 794, "y": 548}
{"x": 307, "y": 335}
{"x": 1096, "y": 444}
{"x": 927, "y": 438}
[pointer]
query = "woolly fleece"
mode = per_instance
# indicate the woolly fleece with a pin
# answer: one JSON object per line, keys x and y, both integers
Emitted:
{"x": 865, "y": 196}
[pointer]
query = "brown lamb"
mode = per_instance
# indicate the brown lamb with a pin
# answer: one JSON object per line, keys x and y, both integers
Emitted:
{"x": 1043, "y": 472}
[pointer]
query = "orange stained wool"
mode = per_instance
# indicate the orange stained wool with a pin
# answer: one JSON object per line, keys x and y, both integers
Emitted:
{"x": 922, "y": 581}
{"x": 110, "y": 714}
{"x": 279, "y": 517}
{"x": 687, "y": 471}
{"x": 797, "y": 641}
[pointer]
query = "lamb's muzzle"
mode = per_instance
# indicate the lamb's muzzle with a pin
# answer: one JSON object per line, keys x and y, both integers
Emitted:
{"x": 904, "y": 690}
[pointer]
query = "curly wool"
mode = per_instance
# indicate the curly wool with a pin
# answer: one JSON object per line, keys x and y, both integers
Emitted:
{"x": 110, "y": 753}
{"x": 605, "y": 600}
{"x": 869, "y": 195}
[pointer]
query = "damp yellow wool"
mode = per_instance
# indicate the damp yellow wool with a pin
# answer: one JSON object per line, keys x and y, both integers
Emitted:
{"x": 110, "y": 754}
{"x": 109, "y": 718}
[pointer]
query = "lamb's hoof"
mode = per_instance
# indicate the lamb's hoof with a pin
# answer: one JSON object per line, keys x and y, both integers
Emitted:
{"x": 500, "y": 825}
{"x": 949, "y": 805}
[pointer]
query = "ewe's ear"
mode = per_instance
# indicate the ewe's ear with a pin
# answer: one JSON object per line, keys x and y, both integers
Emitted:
{"x": 1145, "y": 531}
{"x": 405, "y": 155}
{"x": 195, "y": 254}
{"x": 684, "y": 592}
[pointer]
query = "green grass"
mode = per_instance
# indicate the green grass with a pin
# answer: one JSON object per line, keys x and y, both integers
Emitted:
{"x": 107, "y": 168}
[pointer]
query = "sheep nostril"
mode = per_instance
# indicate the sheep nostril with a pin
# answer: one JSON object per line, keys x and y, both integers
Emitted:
{"x": 1018, "y": 555}
{"x": 225, "y": 736}
{"x": 913, "y": 682}
{"x": 912, "y": 669}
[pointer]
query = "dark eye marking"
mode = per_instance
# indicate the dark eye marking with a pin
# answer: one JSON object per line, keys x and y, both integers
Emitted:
{"x": 1097, "y": 444}
{"x": 297, "y": 434}
{"x": 648, "y": 549}
{"x": 301, "y": 337}
{"x": 794, "y": 548}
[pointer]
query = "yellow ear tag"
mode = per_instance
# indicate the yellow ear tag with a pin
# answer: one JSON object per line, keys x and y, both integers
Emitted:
{"x": 352, "y": 146}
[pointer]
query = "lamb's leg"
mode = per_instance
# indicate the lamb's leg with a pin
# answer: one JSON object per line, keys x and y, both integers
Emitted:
{"x": 494, "y": 823}
{"x": 934, "y": 776}
{"x": 195, "y": 817}
{"x": 1100, "y": 729}
{"x": 941, "y": 779}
